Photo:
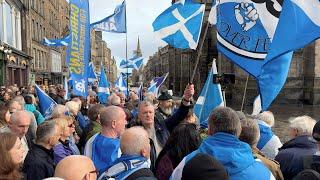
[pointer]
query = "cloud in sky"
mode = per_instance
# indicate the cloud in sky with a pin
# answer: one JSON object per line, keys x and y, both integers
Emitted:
{"x": 140, "y": 15}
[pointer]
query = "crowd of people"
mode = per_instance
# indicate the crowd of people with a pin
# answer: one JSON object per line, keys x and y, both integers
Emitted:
{"x": 154, "y": 138}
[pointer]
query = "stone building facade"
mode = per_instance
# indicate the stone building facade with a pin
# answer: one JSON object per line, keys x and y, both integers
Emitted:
{"x": 46, "y": 18}
{"x": 302, "y": 85}
{"x": 14, "y": 59}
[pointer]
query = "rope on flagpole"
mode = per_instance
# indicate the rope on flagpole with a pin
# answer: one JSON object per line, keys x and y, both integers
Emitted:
{"x": 244, "y": 93}
{"x": 200, "y": 49}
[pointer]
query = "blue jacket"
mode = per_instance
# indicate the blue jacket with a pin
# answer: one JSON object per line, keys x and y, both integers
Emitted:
{"x": 62, "y": 150}
{"x": 290, "y": 156}
{"x": 233, "y": 154}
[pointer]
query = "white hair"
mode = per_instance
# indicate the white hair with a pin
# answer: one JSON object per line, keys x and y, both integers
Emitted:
{"x": 59, "y": 111}
{"x": 133, "y": 140}
{"x": 303, "y": 124}
{"x": 267, "y": 117}
{"x": 73, "y": 107}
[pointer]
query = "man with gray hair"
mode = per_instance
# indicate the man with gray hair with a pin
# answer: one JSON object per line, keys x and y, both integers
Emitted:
{"x": 269, "y": 143}
{"x": 159, "y": 131}
{"x": 103, "y": 148}
{"x": 250, "y": 134}
{"x": 17, "y": 104}
{"x": 39, "y": 161}
{"x": 302, "y": 144}
{"x": 133, "y": 163}
{"x": 224, "y": 128}
{"x": 19, "y": 124}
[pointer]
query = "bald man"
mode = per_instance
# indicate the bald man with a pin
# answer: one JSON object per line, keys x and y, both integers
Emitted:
{"x": 76, "y": 167}
{"x": 104, "y": 147}
{"x": 135, "y": 147}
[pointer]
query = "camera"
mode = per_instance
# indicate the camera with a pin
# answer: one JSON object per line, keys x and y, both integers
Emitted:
{"x": 224, "y": 79}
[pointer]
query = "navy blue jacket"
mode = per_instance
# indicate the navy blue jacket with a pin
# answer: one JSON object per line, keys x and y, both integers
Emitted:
{"x": 290, "y": 156}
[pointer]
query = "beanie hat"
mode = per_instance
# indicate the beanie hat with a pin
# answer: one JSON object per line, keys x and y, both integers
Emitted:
{"x": 203, "y": 166}
{"x": 164, "y": 96}
{"x": 316, "y": 131}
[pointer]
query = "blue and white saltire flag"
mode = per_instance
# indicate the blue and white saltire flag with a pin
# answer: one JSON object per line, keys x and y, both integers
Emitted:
{"x": 210, "y": 97}
{"x": 299, "y": 25}
{"x": 91, "y": 74}
{"x": 135, "y": 63}
{"x": 103, "y": 87}
{"x": 153, "y": 89}
{"x": 46, "y": 103}
{"x": 122, "y": 85}
{"x": 245, "y": 30}
{"x": 57, "y": 42}
{"x": 79, "y": 48}
{"x": 156, "y": 83}
{"x": 114, "y": 23}
{"x": 180, "y": 24}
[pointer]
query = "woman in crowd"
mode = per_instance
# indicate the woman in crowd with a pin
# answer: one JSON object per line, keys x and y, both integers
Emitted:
{"x": 30, "y": 106}
{"x": 11, "y": 156}
{"x": 183, "y": 140}
{"x": 66, "y": 145}
{"x": 6, "y": 96}
{"x": 4, "y": 116}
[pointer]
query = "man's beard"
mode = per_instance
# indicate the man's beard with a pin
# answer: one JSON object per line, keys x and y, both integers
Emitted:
{"x": 167, "y": 111}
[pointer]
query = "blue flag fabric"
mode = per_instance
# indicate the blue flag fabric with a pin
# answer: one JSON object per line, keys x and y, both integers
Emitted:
{"x": 299, "y": 24}
{"x": 104, "y": 151}
{"x": 244, "y": 33}
{"x": 57, "y": 42}
{"x": 135, "y": 63}
{"x": 210, "y": 97}
{"x": 46, "y": 103}
{"x": 153, "y": 89}
{"x": 180, "y": 24}
{"x": 114, "y": 23}
{"x": 156, "y": 83}
{"x": 78, "y": 51}
{"x": 104, "y": 87}
{"x": 91, "y": 74}
{"x": 125, "y": 74}
{"x": 122, "y": 85}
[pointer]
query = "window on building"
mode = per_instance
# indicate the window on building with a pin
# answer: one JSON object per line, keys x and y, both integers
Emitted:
{"x": 37, "y": 32}
{"x": 34, "y": 58}
{"x": 9, "y": 23}
{"x": 42, "y": 7}
{"x": 33, "y": 29}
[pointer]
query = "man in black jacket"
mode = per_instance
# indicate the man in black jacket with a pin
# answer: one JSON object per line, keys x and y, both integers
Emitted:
{"x": 158, "y": 130}
{"x": 39, "y": 161}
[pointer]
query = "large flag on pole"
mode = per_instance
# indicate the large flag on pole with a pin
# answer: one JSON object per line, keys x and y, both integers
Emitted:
{"x": 210, "y": 97}
{"x": 46, "y": 103}
{"x": 114, "y": 23}
{"x": 79, "y": 48}
{"x": 135, "y": 63}
{"x": 245, "y": 30}
{"x": 299, "y": 24}
{"x": 180, "y": 24}
{"x": 103, "y": 88}
{"x": 57, "y": 42}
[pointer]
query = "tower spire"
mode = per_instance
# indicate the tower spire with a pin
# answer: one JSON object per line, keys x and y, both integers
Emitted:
{"x": 138, "y": 51}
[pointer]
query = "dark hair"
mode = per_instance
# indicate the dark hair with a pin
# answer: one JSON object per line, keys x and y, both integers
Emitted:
{"x": 94, "y": 111}
{"x": 184, "y": 139}
{"x": 28, "y": 99}
{"x": 8, "y": 169}
{"x": 4, "y": 108}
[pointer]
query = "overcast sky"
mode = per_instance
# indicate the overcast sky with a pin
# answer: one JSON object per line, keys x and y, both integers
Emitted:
{"x": 140, "y": 15}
